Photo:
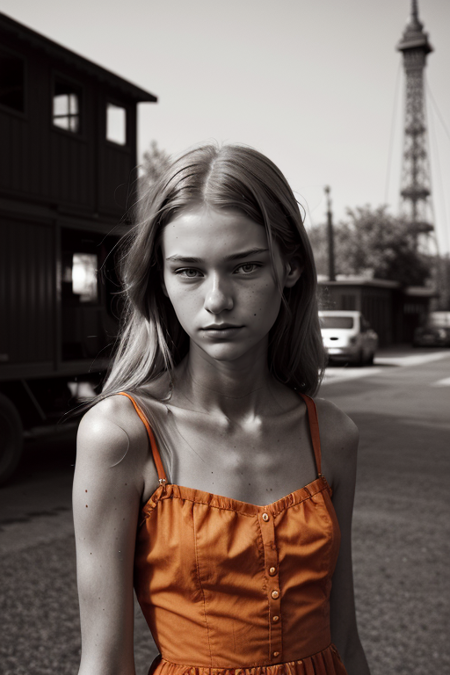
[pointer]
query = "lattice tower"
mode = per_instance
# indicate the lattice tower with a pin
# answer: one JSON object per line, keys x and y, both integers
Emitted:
{"x": 416, "y": 184}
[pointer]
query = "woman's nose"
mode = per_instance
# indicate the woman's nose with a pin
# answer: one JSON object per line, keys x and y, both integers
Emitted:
{"x": 218, "y": 299}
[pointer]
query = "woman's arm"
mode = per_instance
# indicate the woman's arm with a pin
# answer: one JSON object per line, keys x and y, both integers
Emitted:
{"x": 111, "y": 452}
{"x": 340, "y": 444}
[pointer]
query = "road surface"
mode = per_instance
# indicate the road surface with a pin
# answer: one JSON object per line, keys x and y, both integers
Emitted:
{"x": 401, "y": 532}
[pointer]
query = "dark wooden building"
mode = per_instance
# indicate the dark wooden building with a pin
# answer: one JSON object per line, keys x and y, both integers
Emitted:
{"x": 67, "y": 177}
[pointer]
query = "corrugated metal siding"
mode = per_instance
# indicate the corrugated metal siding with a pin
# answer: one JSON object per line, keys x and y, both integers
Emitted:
{"x": 27, "y": 292}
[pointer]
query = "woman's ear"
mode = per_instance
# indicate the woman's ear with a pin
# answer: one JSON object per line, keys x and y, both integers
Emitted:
{"x": 294, "y": 271}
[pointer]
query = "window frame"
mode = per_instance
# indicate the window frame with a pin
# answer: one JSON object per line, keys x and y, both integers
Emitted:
{"x": 58, "y": 76}
{"x": 119, "y": 104}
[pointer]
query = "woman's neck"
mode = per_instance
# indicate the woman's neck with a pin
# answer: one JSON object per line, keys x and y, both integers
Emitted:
{"x": 239, "y": 390}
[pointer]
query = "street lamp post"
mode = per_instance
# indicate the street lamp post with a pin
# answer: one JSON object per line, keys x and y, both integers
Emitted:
{"x": 330, "y": 237}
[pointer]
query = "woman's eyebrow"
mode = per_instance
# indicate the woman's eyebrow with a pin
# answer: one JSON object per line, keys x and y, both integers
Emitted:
{"x": 233, "y": 256}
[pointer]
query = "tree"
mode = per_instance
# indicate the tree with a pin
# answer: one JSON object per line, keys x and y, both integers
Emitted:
{"x": 372, "y": 243}
{"x": 155, "y": 162}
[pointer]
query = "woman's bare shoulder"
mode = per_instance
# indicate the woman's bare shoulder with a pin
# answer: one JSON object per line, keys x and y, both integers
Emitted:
{"x": 339, "y": 437}
{"x": 112, "y": 426}
{"x": 332, "y": 418}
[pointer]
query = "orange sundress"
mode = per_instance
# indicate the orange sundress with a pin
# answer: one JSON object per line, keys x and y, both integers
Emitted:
{"x": 231, "y": 588}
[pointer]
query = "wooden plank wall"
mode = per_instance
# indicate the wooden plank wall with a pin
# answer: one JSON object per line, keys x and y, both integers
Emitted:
{"x": 45, "y": 164}
{"x": 52, "y": 175}
{"x": 117, "y": 187}
{"x": 27, "y": 292}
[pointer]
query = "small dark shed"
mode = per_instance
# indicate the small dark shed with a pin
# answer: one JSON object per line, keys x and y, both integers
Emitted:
{"x": 392, "y": 310}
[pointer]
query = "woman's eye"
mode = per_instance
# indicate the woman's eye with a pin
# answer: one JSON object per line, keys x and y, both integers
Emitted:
{"x": 248, "y": 268}
{"x": 188, "y": 273}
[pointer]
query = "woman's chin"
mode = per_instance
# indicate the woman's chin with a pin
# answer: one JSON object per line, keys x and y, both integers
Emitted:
{"x": 229, "y": 352}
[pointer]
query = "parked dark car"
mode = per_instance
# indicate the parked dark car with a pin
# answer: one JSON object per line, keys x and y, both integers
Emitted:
{"x": 432, "y": 336}
{"x": 435, "y": 333}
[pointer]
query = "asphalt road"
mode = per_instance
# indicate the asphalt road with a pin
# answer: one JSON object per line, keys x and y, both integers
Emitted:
{"x": 401, "y": 530}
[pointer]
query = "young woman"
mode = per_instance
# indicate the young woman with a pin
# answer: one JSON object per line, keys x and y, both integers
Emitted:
{"x": 200, "y": 474}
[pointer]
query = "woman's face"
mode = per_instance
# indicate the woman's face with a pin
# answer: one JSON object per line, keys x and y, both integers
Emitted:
{"x": 220, "y": 280}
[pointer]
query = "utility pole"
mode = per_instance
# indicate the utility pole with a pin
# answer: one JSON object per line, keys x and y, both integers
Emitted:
{"x": 330, "y": 236}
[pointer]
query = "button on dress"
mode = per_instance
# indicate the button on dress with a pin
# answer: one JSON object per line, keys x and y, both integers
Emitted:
{"x": 232, "y": 588}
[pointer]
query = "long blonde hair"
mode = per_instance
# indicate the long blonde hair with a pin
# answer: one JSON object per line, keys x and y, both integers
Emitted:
{"x": 152, "y": 341}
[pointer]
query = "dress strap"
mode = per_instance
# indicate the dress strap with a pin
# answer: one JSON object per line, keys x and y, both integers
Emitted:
{"x": 155, "y": 452}
{"x": 314, "y": 430}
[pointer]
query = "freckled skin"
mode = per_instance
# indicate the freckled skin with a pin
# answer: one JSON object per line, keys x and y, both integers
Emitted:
{"x": 242, "y": 292}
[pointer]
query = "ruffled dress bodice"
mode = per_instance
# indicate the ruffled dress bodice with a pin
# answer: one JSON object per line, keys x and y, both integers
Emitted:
{"x": 229, "y": 586}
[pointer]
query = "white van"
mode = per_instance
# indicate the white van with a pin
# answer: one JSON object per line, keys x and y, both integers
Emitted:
{"x": 348, "y": 337}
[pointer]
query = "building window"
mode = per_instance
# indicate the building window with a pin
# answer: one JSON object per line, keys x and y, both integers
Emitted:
{"x": 12, "y": 81}
{"x": 91, "y": 301}
{"x": 116, "y": 124}
{"x": 84, "y": 276}
{"x": 66, "y": 107}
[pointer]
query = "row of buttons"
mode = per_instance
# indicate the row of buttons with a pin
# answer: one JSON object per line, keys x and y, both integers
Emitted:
{"x": 269, "y": 538}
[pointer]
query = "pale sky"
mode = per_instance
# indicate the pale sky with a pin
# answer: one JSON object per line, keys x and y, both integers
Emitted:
{"x": 311, "y": 83}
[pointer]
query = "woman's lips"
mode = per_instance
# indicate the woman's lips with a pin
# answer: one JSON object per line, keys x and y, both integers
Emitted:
{"x": 221, "y": 330}
{"x": 221, "y": 326}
